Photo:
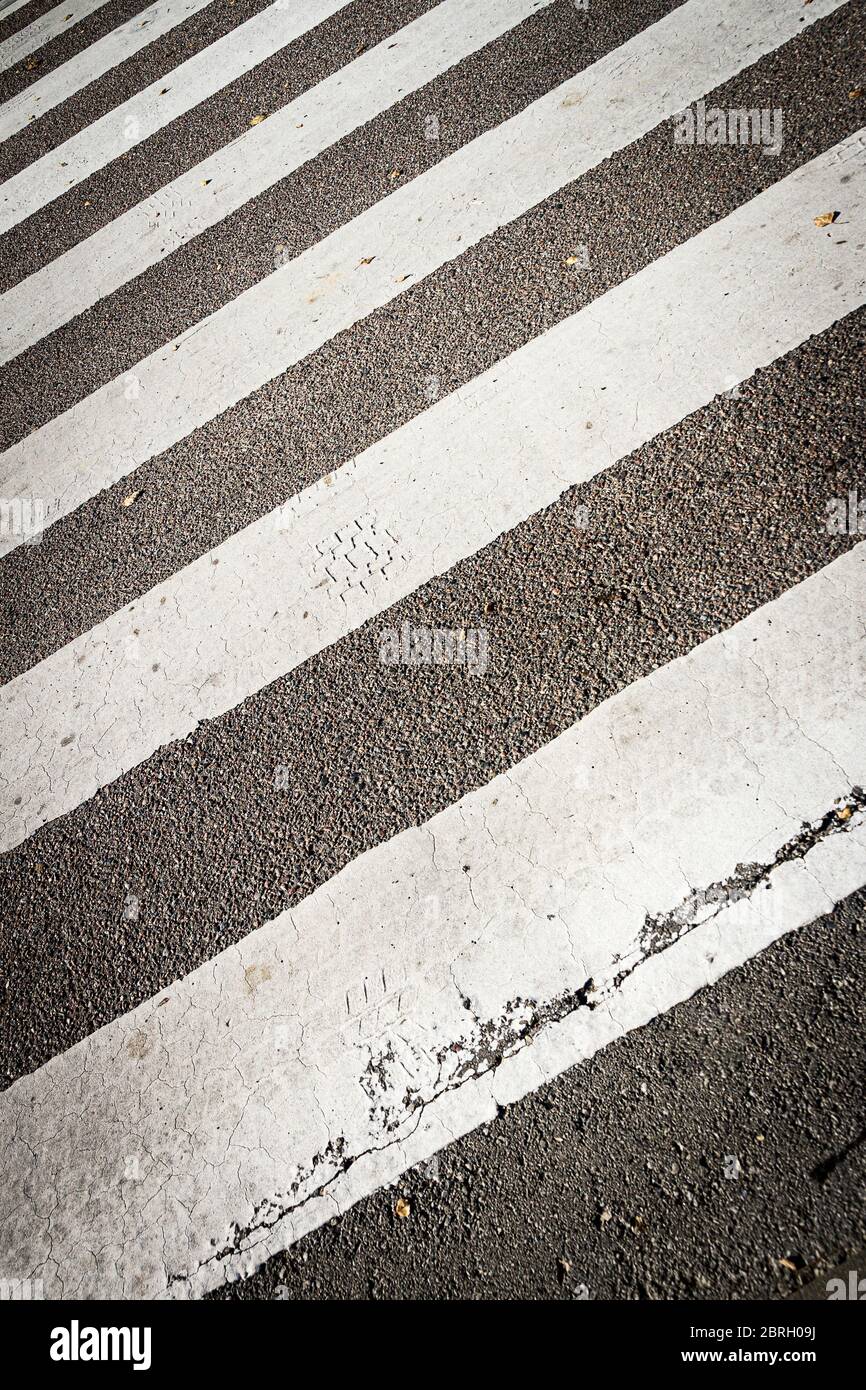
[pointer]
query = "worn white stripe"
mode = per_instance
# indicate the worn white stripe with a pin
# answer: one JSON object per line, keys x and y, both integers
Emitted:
{"x": 155, "y": 106}
{"x": 350, "y": 1038}
{"x": 94, "y": 62}
{"x": 223, "y": 182}
{"x": 411, "y": 233}
{"x": 655, "y": 348}
{"x": 43, "y": 30}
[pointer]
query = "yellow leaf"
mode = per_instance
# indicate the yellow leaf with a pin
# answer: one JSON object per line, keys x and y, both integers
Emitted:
{"x": 402, "y": 1208}
{"x": 844, "y": 813}
{"x": 825, "y": 219}
{"x": 128, "y": 501}
{"x": 257, "y": 120}
{"x": 366, "y": 260}
{"x": 855, "y": 94}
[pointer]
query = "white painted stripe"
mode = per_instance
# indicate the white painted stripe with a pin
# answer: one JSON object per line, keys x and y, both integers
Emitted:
{"x": 9, "y": 7}
{"x": 345, "y": 1041}
{"x": 94, "y": 62}
{"x": 412, "y": 232}
{"x": 155, "y": 106}
{"x": 225, "y": 181}
{"x": 652, "y": 350}
{"x": 43, "y": 30}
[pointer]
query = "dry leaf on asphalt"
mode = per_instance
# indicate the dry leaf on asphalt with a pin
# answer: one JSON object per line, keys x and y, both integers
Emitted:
{"x": 402, "y": 1208}
{"x": 257, "y": 120}
{"x": 825, "y": 219}
{"x": 128, "y": 501}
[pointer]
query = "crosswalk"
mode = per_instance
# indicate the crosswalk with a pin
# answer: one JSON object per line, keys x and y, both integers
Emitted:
{"x": 431, "y": 648}
{"x": 33, "y": 36}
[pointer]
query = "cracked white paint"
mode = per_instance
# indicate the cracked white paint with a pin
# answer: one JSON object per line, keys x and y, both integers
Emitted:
{"x": 181, "y": 210}
{"x": 344, "y": 1041}
{"x": 62, "y": 18}
{"x": 413, "y": 232}
{"x": 157, "y": 104}
{"x": 633, "y": 363}
{"x": 93, "y": 62}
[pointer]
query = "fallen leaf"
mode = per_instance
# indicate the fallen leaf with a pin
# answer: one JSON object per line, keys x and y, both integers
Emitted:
{"x": 402, "y": 1208}
{"x": 571, "y": 260}
{"x": 787, "y": 1264}
{"x": 256, "y": 120}
{"x": 401, "y": 278}
{"x": 844, "y": 813}
{"x": 128, "y": 501}
{"x": 395, "y": 173}
{"x": 825, "y": 219}
{"x": 162, "y": 91}
{"x": 366, "y": 260}
{"x": 205, "y": 182}
{"x": 855, "y": 94}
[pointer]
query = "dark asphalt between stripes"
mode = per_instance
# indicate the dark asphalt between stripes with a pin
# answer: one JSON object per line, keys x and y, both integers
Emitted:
{"x": 687, "y": 536}
{"x": 370, "y": 379}
{"x": 45, "y": 133}
{"x": 78, "y": 37}
{"x": 609, "y": 1182}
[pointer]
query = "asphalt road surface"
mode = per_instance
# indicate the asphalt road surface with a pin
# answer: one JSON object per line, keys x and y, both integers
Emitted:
{"x": 433, "y": 654}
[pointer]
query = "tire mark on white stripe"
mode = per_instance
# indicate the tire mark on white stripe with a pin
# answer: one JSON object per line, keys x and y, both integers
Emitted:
{"x": 157, "y": 105}
{"x": 43, "y": 30}
{"x": 634, "y": 362}
{"x": 94, "y": 62}
{"x": 411, "y": 233}
{"x": 568, "y": 901}
{"x": 152, "y": 230}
